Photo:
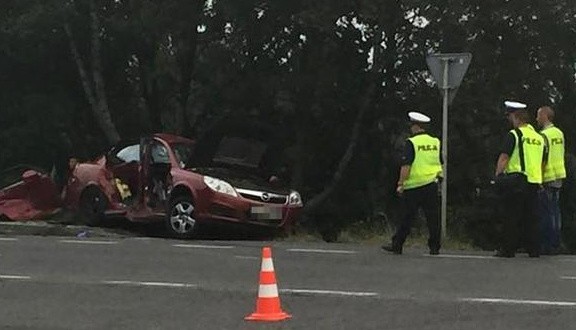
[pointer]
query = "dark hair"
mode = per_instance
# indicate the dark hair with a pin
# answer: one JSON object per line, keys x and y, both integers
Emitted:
{"x": 522, "y": 115}
{"x": 423, "y": 126}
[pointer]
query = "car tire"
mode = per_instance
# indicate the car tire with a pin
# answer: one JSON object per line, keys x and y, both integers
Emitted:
{"x": 93, "y": 205}
{"x": 180, "y": 220}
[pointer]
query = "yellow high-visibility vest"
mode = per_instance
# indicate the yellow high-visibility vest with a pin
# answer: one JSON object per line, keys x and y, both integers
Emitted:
{"x": 426, "y": 166}
{"x": 533, "y": 145}
{"x": 554, "y": 169}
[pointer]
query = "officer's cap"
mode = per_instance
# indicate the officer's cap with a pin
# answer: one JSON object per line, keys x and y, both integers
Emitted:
{"x": 512, "y": 106}
{"x": 417, "y": 117}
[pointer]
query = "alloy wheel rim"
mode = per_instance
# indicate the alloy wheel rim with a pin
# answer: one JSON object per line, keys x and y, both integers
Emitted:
{"x": 181, "y": 218}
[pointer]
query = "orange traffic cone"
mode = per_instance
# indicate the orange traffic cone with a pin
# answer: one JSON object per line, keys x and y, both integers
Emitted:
{"x": 268, "y": 303}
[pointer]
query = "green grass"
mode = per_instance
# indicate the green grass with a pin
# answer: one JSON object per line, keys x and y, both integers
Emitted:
{"x": 366, "y": 233}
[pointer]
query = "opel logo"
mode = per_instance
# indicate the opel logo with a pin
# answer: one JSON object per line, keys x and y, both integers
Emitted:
{"x": 265, "y": 197}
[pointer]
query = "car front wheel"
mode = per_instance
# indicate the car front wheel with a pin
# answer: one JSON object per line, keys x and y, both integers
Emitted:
{"x": 180, "y": 220}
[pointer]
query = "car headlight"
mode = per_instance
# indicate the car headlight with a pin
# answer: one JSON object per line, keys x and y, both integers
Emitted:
{"x": 295, "y": 199}
{"x": 220, "y": 186}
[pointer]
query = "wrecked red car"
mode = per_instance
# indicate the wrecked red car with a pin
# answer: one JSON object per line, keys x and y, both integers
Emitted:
{"x": 28, "y": 193}
{"x": 159, "y": 178}
{"x": 162, "y": 177}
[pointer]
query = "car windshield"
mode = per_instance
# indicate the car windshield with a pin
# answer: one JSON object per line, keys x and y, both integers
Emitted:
{"x": 183, "y": 152}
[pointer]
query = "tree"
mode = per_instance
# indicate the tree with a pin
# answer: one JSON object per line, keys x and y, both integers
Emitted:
{"x": 92, "y": 79}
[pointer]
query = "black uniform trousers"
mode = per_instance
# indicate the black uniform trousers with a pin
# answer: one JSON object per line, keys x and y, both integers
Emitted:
{"x": 520, "y": 220}
{"x": 427, "y": 198}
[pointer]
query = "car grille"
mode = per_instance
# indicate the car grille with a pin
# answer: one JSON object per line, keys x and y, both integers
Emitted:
{"x": 263, "y": 197}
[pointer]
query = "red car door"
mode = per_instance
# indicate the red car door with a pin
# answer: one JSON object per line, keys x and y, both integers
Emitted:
{"x": 141, "y": 210}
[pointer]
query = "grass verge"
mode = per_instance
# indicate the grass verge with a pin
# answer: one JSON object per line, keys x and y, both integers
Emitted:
{"x": 366, "y": 233}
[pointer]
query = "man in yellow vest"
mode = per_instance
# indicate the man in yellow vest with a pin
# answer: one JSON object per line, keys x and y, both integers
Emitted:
{"x": 418, "y": 184}
{"x": 519, "y": 175}
{"x": 554, "y": 173}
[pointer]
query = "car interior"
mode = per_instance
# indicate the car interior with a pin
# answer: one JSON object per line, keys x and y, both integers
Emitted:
{"x": 159, "y": 172}
{"x": 124, "y": 162}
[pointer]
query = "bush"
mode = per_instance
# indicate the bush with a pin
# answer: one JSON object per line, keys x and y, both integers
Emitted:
{"x": 480, "y": 221}
{"x": 568, "y": 205}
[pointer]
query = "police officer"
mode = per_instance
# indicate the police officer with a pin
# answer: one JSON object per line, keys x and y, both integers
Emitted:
{"x": 554, "y": 173}
{"x": 521, "y": 158}
{"x": 419, "y": 173}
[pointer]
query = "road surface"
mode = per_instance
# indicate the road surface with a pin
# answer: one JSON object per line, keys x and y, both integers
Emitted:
{"x": 154, "y": 283}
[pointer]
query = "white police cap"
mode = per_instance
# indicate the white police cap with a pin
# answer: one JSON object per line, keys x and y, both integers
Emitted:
{"x": 514, "y": 105}
{"x": 418, "y": 117}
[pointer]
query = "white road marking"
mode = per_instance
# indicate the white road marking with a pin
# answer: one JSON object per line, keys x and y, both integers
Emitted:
{"x": 322, "y": 251}
{"x": 88, "y": 242}
{"x": 521, "y": 302}
{"x": 154, "y": 284}
{"x": 7, "y": 239}
{"x": 14, "y": 277}
{"x": 247, "y": 257}
{"x": 459, "y": 256}
{"x": 568, "y": 277}
{"x": 197, "y": 246}
{"x": 331, "y": 293}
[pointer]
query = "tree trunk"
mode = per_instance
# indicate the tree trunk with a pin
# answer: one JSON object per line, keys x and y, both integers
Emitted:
{"x": 317, "y": 200}
{"x": 190, "y": 86}
{"x": 94, "y": 86}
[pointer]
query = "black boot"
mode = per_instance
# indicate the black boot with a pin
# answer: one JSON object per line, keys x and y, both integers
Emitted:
{"x": 392, "y": 248}
{"x": 503, "y": 254}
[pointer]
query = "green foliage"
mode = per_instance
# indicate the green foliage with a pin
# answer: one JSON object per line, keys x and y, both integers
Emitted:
{"x": 568, "y": 206}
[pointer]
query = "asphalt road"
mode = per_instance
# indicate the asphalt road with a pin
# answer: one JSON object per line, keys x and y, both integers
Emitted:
{"x": 152, "y": 283}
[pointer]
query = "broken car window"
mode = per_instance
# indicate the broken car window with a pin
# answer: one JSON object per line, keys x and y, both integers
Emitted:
{"x": 160, "y": 154}
{"x": 129, "y": 153}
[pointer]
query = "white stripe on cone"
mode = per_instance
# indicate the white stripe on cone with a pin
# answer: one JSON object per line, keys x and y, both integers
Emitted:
{"x": 268, "y": 291}
{"x": 267, "y": 265}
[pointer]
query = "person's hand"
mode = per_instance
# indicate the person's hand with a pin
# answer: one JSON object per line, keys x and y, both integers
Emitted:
{"x": 400, "y": 190}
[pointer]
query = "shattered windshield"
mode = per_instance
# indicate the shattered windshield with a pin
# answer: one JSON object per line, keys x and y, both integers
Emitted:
{"x": 183, "y": 152}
